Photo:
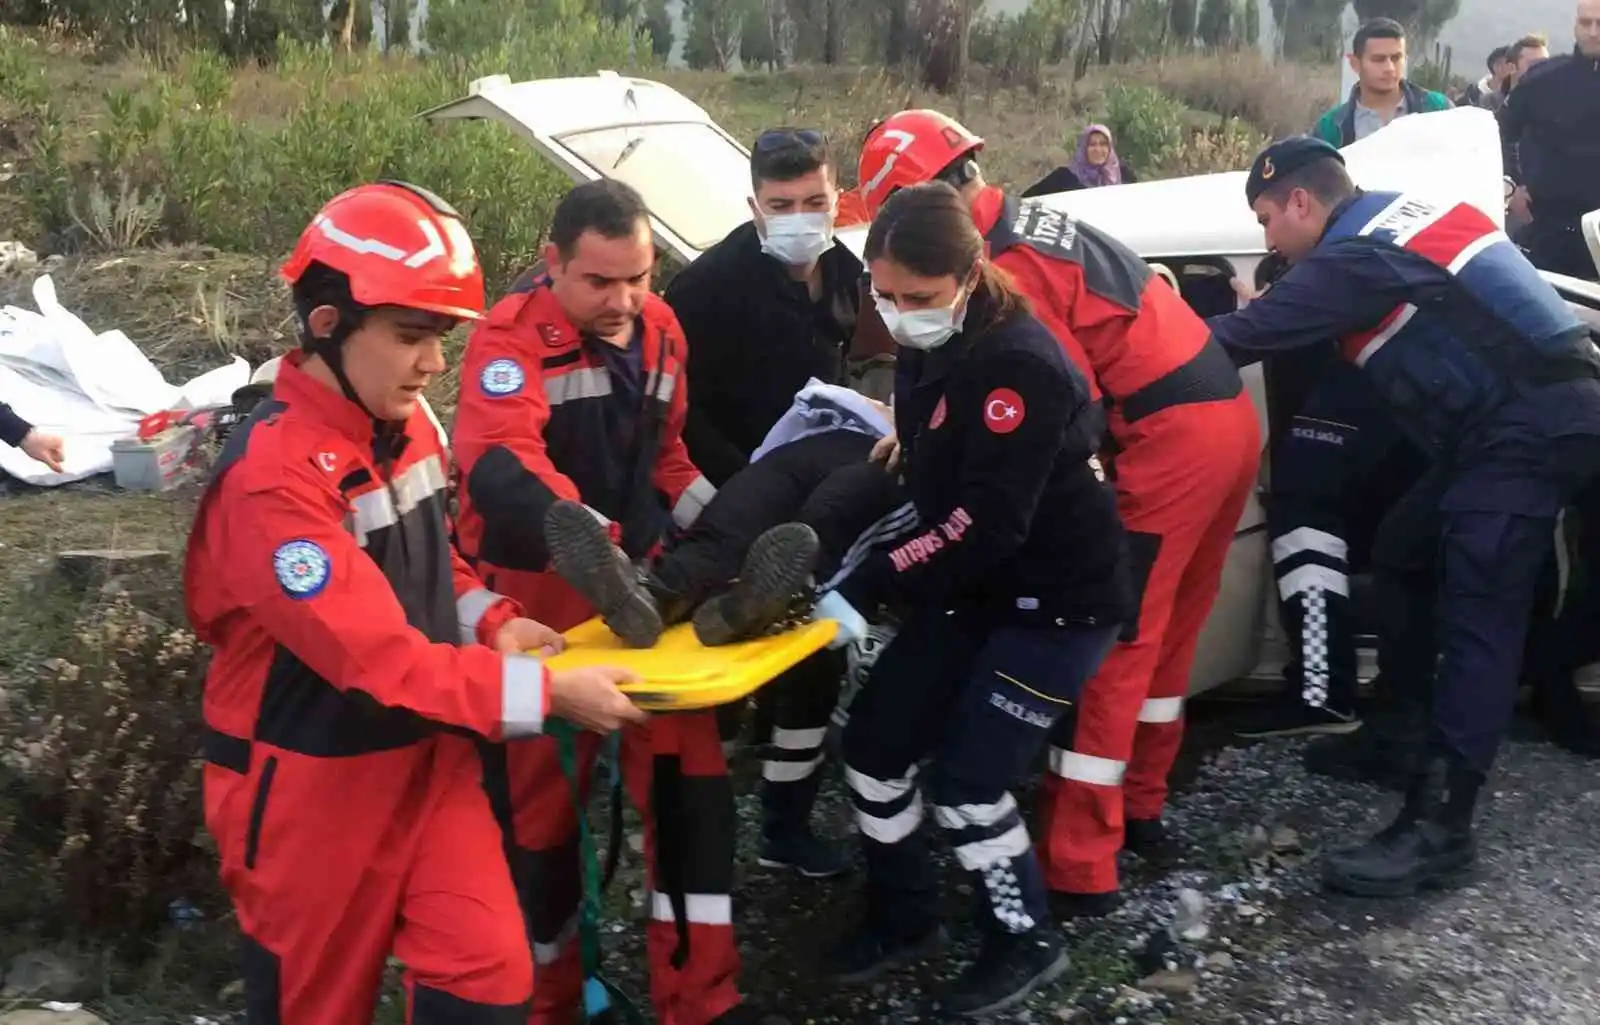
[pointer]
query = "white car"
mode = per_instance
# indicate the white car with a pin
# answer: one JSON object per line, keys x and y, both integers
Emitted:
{"x": 695, "y": 178}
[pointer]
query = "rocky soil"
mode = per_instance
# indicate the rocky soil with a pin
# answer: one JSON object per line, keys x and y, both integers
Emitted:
{"x": 1237, "y": 933}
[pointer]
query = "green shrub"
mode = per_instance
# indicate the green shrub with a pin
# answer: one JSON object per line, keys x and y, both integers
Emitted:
{"x": 1230, "y": 146}
{"x": 245, "y": 179}
{"x": 1147, "y": 123}
{"x": 1278, "y": 98}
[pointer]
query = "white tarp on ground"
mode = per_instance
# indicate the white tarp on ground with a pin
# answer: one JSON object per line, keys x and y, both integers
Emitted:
{"x": 90, "y": 389}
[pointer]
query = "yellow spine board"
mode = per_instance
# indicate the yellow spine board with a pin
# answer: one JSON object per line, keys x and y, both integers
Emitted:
{"x": 680, "y": 673}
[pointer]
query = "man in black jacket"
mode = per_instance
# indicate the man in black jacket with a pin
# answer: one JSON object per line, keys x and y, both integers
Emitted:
{"x": 1550, "y": 127}
{"x": 771, "y": 306}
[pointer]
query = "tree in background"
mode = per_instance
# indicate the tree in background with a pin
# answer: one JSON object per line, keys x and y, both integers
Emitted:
{"x": 1181, "y": 18}
{"x": 714, "y": 31}
{"x": 396, "y": 25}
{"x": 353, "y": 22}
{"x": 1423, "y": 19}
{"x": 658, "y": 23}
{"x": 757, "y": 47}
{"x": 1251, "y": 33}
{"x": 1309, "y": 29}
{"x": 1215, "y": 24}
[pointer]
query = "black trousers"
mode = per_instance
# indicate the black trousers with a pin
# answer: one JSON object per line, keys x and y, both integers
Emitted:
{"x": 981, "y": 702}
{"x": 1458, "y": 562}
{"x": 1340, "y": 467}
{"x": 1556, "y": 244}
{"x": 825, "y": 482}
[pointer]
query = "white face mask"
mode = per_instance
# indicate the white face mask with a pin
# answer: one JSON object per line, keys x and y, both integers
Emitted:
{"x": 797, "y": 240}
{"x": 921, "y": 329}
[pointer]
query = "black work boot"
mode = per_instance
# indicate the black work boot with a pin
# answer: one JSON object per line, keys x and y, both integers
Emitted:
{"x": 1147, "y": 839}
{"x": 787, "y": 840}
{"x": 1069, "y": 906}
{"x": 1385, "y": 751}
{"x": 602, "y": 573}
{"x": 746, "y": 1013}
{"x": 1429, "y": 844}
{"x": 1289, "y": 716}
{"x": 1009, "y": 967}
{"x": 900, "y": 925}
{"x": 1560, "y": 709}
{"x": 776, "y": 570}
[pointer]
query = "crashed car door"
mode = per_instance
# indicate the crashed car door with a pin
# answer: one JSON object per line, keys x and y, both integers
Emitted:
{"x": 694, "y": 177}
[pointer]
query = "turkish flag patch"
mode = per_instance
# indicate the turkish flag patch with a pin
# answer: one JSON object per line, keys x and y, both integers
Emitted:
{"x": 938, "y": 415}
{"x": 1003, "y": 411}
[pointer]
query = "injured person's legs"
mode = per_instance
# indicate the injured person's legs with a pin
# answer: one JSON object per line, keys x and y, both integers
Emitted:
{"x": 638, "y": 604}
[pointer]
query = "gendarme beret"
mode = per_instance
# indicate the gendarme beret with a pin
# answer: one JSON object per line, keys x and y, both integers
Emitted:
{"x": 1285, "y": 157}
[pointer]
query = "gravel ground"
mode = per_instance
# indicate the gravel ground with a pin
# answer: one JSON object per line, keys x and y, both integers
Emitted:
{"x": 1519, "y": 943}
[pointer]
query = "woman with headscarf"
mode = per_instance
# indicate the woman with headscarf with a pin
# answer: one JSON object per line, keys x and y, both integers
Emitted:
{"x": 1093, "y": 164}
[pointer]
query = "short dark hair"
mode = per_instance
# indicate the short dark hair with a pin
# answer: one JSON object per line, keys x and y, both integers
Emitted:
{"x": 1376, "y": 28}
{"x": 1497, "y": 55}
{"x": 1326, "y": 179}
{"x": 784, "y": 154}
{"x": 610, "y": 208}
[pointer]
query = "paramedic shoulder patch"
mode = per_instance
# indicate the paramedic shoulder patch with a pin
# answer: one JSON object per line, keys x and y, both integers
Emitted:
{"x": 302, "y": 568}
{"x": 501, "y": 377}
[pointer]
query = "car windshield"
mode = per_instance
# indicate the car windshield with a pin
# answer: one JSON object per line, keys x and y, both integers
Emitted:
{"x": 690, "y": 176}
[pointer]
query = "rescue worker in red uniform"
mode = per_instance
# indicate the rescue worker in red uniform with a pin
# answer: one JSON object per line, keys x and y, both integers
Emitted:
{"x": 356, "y": 655}
{"x": 573, "y": 390}
{"x": 1185, "y": 449}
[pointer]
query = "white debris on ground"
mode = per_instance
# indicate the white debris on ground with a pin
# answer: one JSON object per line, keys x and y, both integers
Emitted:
{"x": 90, "y": 388}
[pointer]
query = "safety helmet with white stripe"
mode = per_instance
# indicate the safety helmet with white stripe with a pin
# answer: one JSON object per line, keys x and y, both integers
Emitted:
{"x": 399, "y": 245}
{"x": 913, "y": 147}
{"x": 387, "y": 244}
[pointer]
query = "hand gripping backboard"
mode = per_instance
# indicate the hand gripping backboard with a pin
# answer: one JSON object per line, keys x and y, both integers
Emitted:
{"x": 680, "y": 674}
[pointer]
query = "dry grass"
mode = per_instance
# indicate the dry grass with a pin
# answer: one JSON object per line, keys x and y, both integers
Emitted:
{"x": 1026, "y": 132}
{"x": 188, "y": 309}
{"x": 1277, "y": 98}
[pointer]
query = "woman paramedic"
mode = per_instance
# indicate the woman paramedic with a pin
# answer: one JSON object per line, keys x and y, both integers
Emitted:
{"x": 356, "y": 657}
{"x": 1010, "y": 594}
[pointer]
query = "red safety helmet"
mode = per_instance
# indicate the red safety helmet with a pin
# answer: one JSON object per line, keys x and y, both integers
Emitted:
{"x": 399, "y": 245}
{"x": 909, "y": 148}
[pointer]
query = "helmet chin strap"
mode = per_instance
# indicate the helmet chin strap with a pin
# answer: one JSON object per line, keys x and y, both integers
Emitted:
{"x": 330, "y": 349}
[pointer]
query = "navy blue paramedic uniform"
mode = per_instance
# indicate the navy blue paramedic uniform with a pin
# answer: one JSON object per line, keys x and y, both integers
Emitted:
{"x": 1493, "y": 376}
{"x": 1012, "y": 595}
{"x": 1337, "y": 469}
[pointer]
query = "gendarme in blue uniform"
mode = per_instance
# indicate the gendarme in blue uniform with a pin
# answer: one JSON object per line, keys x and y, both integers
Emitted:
{"x": 1490, "y": 371}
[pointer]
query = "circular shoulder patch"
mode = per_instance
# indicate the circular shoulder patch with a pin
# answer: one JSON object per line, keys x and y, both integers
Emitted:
{"x": 501, "y": 377}
{"x": 302, "y": 568}
{"x": 1003, "y": 411}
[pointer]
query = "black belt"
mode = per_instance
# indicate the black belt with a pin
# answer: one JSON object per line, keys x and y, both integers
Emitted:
{"x": 226, "y": 750}
{"x": 1210, "y": 376}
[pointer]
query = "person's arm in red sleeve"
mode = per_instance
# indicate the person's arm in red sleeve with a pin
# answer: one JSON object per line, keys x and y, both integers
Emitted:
{"x": 1002, "y": 476}
{"x": 302, "y": 577}
{"x": 498, "y": 440}
{"x": 687, "y": 489}
{"x": 480, "y": 612}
